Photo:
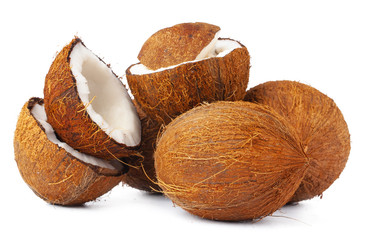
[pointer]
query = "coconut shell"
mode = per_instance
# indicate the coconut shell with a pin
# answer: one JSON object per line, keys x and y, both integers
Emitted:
{"x": 230, "y": 161}
{"x": 68, "y": 116}
{"x": 142, "y": 175}
{"x": 166, "y": 94}
{"x": 176, "y": 44}
{"x": 52, "y": 173}
{"x": 321, "y": 128}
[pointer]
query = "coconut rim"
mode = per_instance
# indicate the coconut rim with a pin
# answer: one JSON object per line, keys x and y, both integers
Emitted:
{"x": 217, "y": 48}
{"x": 36, "y": 108}
{"x": 130, "y": 134}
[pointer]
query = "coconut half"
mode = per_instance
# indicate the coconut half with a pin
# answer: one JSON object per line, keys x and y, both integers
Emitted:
{"x": 217, "y": 48}
{"x": 53, "y": 170}
{"x": 179, "y": 43}
{"x": 88, "y": 106}
{"x": 219, "y": 71}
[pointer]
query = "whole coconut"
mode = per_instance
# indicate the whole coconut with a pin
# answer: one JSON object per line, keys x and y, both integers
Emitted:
{"x": 320, "y": 126}
{"x": 230, "y": 161}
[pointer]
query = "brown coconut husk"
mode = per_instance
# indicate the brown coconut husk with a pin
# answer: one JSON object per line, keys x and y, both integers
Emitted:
{"x": 142, "y": 175}
{"x": 166, "y": 94}
{"x": 321, "y": 128}
{"x": 68, "y": 116}
{"x": 52, "y": 173}
{"x": 230, "y": 161}
{"x": 176, "y": 44}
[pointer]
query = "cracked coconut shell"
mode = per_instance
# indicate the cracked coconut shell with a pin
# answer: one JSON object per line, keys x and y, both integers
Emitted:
{"x": 142, "y": 175}
{"x": 70, "y": 116}
{"x": 50, "y": 171}
{"x": 167, "y": 93}
{"x": 179, "y": 43}
{"x": 320, "y": 126}
{"x": 230, "y": 161}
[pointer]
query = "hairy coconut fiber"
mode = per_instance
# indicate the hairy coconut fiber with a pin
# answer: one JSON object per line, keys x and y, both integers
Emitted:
{"x": 179, "y": 43}
{"x": 68, "y": 116}
{"x": 164, "y": 95}
{"x": 321, "y": 128}
{"x": 52, "y": 173}
{"x": 230, "y": 161}
{"x": 142, "y": 175}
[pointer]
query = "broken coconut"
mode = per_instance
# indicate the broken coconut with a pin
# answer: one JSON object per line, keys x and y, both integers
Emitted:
{"x": 179, "y": 43}
{"x": 204, "y": 73}
{"x": 320, "y": 126}
{"x": 230, "y": 161}
{"x": 52, "y": 169}
{"x": 142, "y": 174}
{"x": 88, "y": 106}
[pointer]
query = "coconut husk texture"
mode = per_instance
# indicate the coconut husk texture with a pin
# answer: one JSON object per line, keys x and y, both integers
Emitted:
{"x": 230, "y": 161}
{"x": 320, "y": 126}
{"x": 52, "y": 173}
{"x": 166, "y": 94}
{"x": 142, "y": 175}
{"x": 68, "y": 116}
{"x": 176, "y": 44}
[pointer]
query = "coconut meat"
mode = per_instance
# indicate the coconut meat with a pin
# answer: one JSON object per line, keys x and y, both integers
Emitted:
{"x": 209, "y": 50}
{"x": 105, "y": 97}
{"x": 39, "y": 114}
{"x": 216, "y": 48}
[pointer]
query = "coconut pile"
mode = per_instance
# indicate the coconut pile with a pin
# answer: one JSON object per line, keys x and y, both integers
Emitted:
{"x": 193, "y": 131}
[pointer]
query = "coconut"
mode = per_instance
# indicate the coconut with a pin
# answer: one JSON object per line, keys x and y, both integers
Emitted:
{"x": 88, "y": 106}
{"x": 320, "y": 126}
{"x": 179, "y": 43}
{"x": 52, "y": 169}
{"x": 142, "y": 175}
{"x": 219, "y": 71}
{"x": 230, "y": 161}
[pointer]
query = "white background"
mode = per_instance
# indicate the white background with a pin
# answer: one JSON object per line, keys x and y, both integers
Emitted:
{"x": 338, "y": 47}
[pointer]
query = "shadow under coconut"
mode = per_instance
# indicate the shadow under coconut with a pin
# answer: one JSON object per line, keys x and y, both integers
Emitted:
{"x": 86, "y": 206}
{"x": 291, "y": 213}
{"x": 155, "y": 195}
{"x": 288, "y": 214}
{"x": 103, "y": 201}
{"x": 125, "y": 195}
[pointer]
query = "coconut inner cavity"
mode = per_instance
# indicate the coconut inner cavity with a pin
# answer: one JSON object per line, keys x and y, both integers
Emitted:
{"x": 106, "y": 99}
{"x": 216, "y": 48}
{"x": 39, "y": 114}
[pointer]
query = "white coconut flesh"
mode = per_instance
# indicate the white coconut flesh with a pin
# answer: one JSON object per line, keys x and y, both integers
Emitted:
{"x": 39, "y": 114}
{"x": 209, "y": 50}
{"x": 216, "y": 48}
{"x": 105, "y": 97}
